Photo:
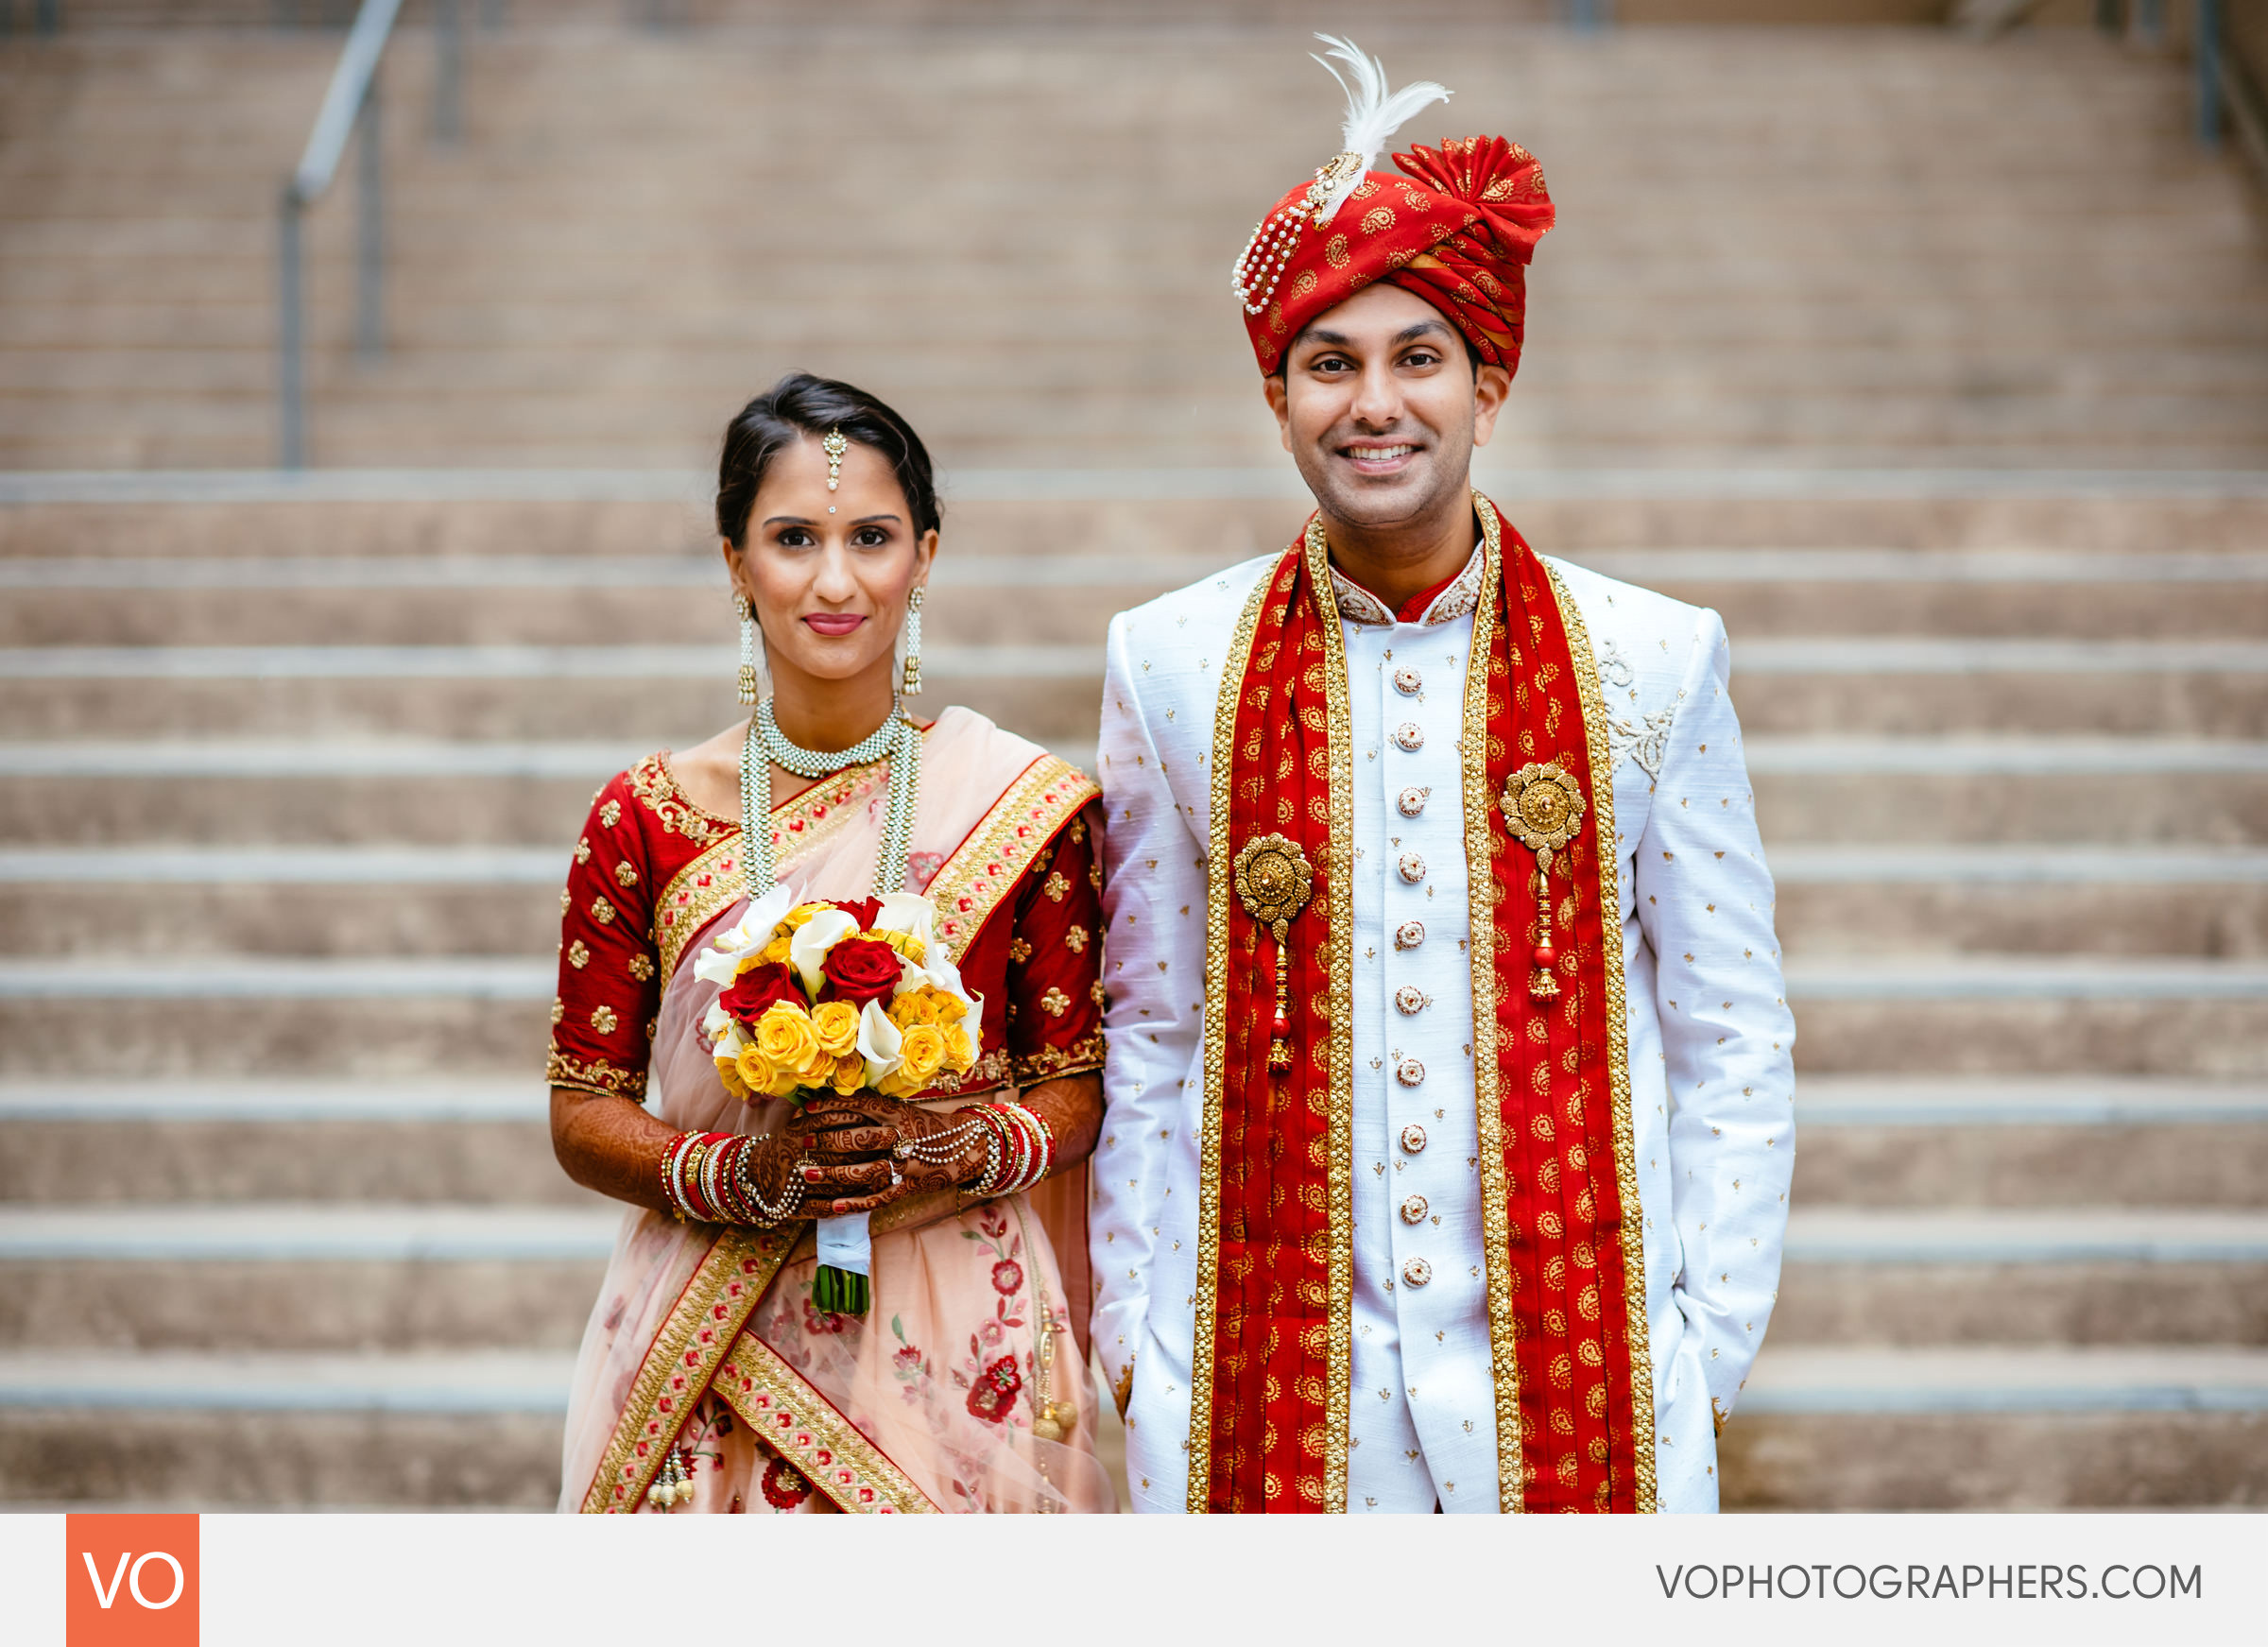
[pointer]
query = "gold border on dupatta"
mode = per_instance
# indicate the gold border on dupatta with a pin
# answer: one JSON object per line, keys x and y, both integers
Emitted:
{"x": 1618, "y": 1050}
{"x": 1220, "y": 855}
{"x": 795, "y": 1421}
{"x": 1339, "y": 740}
{"x": 985, "y": 864}
{"x": 703, "y": 903}
{"x": 1511, "y": 1464}
{"x": 695, "y": 1337}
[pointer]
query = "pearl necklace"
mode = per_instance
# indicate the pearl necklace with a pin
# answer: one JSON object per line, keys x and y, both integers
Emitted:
{"x": 793, "y": 757}
{"x": 896, "y": 740}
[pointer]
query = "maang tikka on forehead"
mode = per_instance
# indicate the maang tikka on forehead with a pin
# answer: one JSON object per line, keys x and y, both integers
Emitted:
{"x": 834, "y": 446}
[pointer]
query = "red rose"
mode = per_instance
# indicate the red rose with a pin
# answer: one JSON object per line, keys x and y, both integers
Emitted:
{"x": 758, "y": 988}
{"x": 864, "y": 911}
{"x": 859, "y": 970}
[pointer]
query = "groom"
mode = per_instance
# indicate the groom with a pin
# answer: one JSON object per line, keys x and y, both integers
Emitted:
{"x": 1449, "y": 1128}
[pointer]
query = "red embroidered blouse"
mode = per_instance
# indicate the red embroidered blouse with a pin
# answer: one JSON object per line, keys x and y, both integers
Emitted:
{"x": 1037, "y": 959}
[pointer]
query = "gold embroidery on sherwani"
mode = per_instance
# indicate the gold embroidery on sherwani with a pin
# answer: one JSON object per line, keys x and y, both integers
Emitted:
{"x": 1220, "y": 856}
{"x": 1487, "y": 1074}
{"x": 1618, "y": 1050}
{"x": 1339, "y": 739}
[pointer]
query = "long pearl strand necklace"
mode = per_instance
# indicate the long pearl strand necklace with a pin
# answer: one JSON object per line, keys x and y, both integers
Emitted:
{"x": 897, "y": 739}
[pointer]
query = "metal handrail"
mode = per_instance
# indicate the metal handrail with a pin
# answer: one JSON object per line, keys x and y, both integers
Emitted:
{"x": 351, "y": 103}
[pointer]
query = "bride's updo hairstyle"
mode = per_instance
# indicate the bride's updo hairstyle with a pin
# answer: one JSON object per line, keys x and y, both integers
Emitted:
{"x": 803, "y": 407}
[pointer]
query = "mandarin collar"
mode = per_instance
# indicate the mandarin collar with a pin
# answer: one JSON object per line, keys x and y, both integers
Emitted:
{"x": 1357, "y": 604}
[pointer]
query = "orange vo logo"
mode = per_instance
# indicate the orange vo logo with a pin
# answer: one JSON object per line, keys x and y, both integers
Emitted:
{"x": 131, "y": 1581}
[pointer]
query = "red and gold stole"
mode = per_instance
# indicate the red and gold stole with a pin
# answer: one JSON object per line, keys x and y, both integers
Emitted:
{"x": 1565, "y": 1275}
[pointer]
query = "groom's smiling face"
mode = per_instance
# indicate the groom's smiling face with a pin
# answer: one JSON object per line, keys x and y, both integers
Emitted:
{"x": 1381, "y": 405}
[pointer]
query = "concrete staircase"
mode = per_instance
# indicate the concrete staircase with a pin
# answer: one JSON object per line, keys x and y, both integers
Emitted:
{"x": 1804, "y": 247}
{"x": 287, "y": 771}
{"x": 280, "y": 1223}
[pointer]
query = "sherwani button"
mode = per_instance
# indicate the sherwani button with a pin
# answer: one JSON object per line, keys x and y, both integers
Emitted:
{"x": 1412, "y": 1138}
{"x": 1409, "y": 934}
{"x": 1410, "y": 735}
{"x": 1410, "y": 1072}
{"x": 1412, "y": 867}
{"x": 1413, "y": 1209}
{"x": 1417, "y": 1272}
{"x": 1411, "y": 802}
{"x": 1409, "y": 1000}
{"x": 1408, "y": 681}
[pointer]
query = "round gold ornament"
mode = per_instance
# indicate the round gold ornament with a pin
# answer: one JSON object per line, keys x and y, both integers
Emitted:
{"x": 1274, "y": 879}
{"x": 1543, "y": 806}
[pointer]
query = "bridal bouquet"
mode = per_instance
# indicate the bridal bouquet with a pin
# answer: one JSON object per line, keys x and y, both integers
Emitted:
{"x": 836, "y": 998}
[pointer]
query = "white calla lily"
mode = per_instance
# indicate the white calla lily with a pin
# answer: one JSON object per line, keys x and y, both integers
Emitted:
{"x": 728, "y": 954}
{"x": 908, "y": 912}
{"x": 807, "y": 951}
{"x": 879, "y": 1043}
{"x": 715, "y": 1021}
{"x": 943, "y": 975}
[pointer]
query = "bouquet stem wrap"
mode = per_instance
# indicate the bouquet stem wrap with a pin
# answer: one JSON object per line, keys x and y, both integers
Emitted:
{"x": 846, "y": 1265}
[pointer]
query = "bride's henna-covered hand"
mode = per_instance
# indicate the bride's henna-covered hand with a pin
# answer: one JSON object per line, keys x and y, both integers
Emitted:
{"x": 868, "y": 1126}
{"x": 827, "y": 1172}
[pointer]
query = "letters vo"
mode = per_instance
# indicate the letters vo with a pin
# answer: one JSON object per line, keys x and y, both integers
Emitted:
{"x": 131, "y": 1581}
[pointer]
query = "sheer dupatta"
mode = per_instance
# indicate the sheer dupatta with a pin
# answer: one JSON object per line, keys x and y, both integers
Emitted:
{"x": 887, "y": 1412}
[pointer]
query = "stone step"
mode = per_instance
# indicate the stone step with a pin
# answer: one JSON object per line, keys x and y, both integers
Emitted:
{"x": 1882, "y": 790}
{"x": 2030, "y": 1015}
{"x": 1862, "y": 684}
{"x": 118, "y": 1016}
{"x": 311, "y": 1277}
{"x": 325, "y": 1276}
{"x": 340, "y": 1306}
{"x": 1969, "y": 525}
{"x": 447, "y": 1140}
{"x": 1869, "y": 1142}
{"x": 421, "y": 1431}
{"x": 1773, "y": 525}
{"x": 2205, "y": 903}
{"x": 1979, "y": 1428}
{"x": 1843, "y": 1429}
{"x": 1862, "y": 1141}
{"x": 1985, "y": 614}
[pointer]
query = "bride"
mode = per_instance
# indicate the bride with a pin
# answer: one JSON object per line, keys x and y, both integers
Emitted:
{"x": 711, "y": 1378}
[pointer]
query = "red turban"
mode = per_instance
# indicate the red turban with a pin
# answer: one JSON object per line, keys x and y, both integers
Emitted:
{"x": 1457, "y": 229}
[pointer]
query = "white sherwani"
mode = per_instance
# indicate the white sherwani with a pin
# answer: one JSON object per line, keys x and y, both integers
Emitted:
{"x": 1709, "y": 1034}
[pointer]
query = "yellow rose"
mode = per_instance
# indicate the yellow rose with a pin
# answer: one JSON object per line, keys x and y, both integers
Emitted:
{"x": 789, "y": 1043}
{"x": 951, "y": 1009}
{"x": 905, "y": 943}
{"x": 727, "y": 1071}
{"x": 775, "y": 951}
{"x": 960, "y": 1052}
{"x": 760, "y": 1076}
{"x": 914, "y": 1006}
{"x": 835, "y": 1022}
{"x": 850, "y": 1075}
{"x": 921, "y": 1054}
{"x": 802, "y": 913}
